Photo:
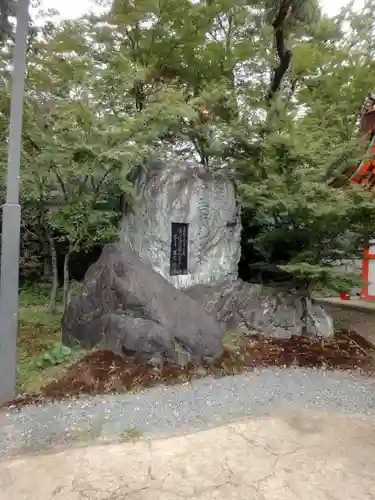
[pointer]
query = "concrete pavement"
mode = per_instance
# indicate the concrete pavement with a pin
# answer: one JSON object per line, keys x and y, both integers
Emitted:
{"x": 355, "y": 314}
{"x": 354, "y": 303}
{"x": 294, "y": 455}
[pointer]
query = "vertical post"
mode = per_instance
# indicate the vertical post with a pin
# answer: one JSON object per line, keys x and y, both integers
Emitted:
{"x": 10, "y": 241}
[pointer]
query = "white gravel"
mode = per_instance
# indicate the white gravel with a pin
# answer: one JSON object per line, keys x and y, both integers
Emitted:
{"x": 165, "y": 411}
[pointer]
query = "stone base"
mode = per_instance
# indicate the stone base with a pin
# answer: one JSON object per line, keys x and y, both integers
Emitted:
{"x": 270, "y": 311}
{"x": 127, "y": 307}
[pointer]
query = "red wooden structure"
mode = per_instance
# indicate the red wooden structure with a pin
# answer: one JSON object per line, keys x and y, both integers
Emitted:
{"x": 368, "y": 273}
{"x": 365, "y": 175}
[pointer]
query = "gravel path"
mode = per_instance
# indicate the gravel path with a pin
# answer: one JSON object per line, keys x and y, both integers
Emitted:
{"x": 165, "y": 411}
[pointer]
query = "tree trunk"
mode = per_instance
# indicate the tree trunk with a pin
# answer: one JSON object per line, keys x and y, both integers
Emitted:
{"x": 55, "y": 276}
{"x": 306, "y": 308}
{"x": 284, "y": 54}
{"x": 66, "y": 278}
{"x": 305, "y": 314}
{"x": 47, "y": 255}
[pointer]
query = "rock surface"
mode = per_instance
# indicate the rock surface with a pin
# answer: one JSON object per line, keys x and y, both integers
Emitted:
{"x": 126, "y": 306}
{"x": 272, "y": 312}
{"x": 185, "y": 193}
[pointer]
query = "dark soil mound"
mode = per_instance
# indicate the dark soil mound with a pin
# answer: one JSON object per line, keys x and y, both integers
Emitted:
{"x": 107, "y": 372}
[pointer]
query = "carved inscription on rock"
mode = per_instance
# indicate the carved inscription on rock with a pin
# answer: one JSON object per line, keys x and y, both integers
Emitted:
{"x": 179, "y": 249}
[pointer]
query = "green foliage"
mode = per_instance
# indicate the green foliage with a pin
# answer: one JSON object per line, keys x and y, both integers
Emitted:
{"x": 303, "y": 229}
{"x": 40, "y": 355}
{"x": 105, "y": 93}
{"x": 38, "y": 332}
{"x": 55, "y": 356}
{"x": 34, "y": 294}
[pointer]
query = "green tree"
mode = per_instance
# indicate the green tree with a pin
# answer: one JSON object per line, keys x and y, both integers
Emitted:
{"x": 298, "y": 229}
{"x": 268, "y": 91}
{"x": 76, "y": 157}
{"x": 83, "y": 133}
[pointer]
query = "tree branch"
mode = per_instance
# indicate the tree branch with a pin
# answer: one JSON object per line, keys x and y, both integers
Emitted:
{"x": 102, "y": 180}
{"x": 293, "y": 87}
{"x": 284, "y": 54}
{"x": 61, "y": 183}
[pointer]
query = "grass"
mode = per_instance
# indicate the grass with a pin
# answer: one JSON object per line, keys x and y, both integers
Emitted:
{"x": 37, "y": 295}
{"x": 39, "y": 335}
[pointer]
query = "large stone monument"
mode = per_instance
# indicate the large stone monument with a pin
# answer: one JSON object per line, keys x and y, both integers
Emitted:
{"x": 186, "y": 223}
{"x": 169, "y": 289}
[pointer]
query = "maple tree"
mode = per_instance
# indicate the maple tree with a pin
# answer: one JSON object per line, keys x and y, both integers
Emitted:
{"x": 268, "y": 92}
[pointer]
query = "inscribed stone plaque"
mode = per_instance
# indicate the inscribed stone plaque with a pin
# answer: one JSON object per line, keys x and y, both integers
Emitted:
{"x": 179, "y": 249}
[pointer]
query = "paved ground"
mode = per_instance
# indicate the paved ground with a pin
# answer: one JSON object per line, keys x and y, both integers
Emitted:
{"x": 355, "y": 315}
{"x": 266, "y": 435}
{"x": 167, "y": 411}
{"x": 353, "y": 303}
{"x": 291, "y": 455}
{"x": 289, "y": 434}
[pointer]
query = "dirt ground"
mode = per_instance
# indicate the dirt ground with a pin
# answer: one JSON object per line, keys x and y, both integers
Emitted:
{"x": 106, "y": 372}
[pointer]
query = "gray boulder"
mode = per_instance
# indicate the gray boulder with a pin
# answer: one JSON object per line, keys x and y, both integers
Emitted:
{"x": 270, "y": 311}
{"x": 127, "y": 307}
{"x": 204, "y": 201}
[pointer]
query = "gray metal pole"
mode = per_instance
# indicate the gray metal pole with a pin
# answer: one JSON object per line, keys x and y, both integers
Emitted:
{"x": 10, "y": 241}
